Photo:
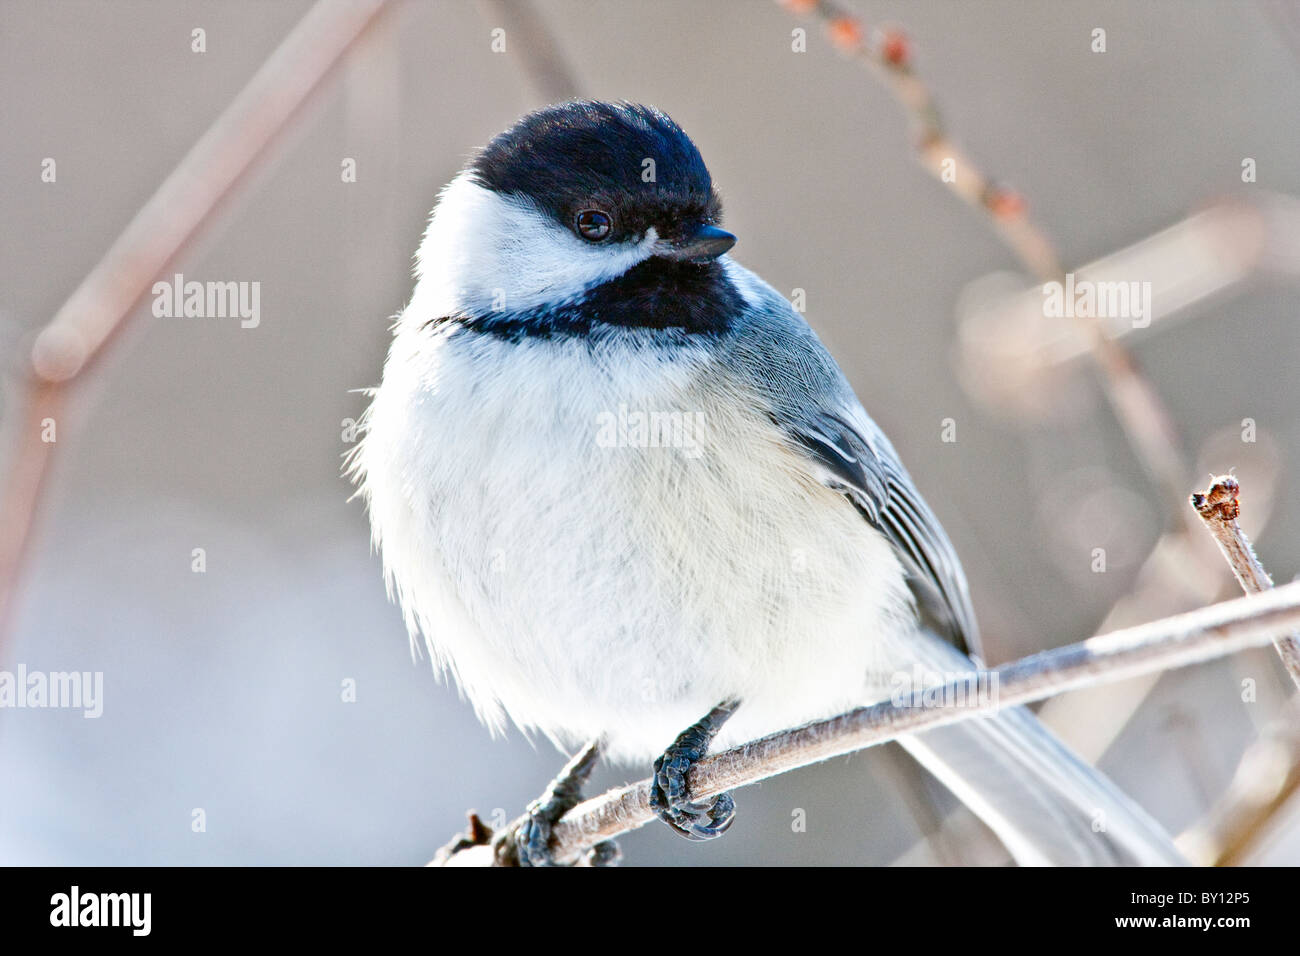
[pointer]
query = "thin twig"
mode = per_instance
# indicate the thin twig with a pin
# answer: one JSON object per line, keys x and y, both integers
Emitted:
{"x": 1268, "y": 775}
{"x": 1219, "y": 507}
{"x": 888, "y": 53}
{"x": 1214, "y": 631}
{"x": 100, "y": 306}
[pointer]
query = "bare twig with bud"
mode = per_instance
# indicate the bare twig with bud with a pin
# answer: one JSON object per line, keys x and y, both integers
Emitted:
{"x": 1219, "y": 505}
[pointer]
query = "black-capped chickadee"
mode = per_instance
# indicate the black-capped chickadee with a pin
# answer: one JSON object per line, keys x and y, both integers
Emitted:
{"x": 624, "y": 494}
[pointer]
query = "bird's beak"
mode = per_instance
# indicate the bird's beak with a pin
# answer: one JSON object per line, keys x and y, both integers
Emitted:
{"x": 705, "y": 244}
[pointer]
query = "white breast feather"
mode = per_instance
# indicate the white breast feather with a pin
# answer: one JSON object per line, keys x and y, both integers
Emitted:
{"x": 586, "y": 590}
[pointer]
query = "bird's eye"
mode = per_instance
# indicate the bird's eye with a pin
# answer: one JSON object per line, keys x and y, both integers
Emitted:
{"x": 593, "y": 225}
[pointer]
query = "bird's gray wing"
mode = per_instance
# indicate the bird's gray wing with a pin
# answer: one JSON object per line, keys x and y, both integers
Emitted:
{"x": 867, "y": 470}
{"x": 809, "y": 398}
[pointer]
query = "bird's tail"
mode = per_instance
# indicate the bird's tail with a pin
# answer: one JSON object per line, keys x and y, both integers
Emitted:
{"x": 1046, "y": 804}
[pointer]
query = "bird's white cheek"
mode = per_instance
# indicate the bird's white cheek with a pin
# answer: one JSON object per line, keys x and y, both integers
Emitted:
{"x": 484, "y": 252}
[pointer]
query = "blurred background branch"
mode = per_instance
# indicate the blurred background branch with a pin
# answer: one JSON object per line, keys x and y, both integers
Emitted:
{"x": 102, "y": 303}
{"x": 543, "y": 61}
{"x": 887, "y": 51}
{"x": 1262, "y": 789}
{"x": 1011, "y": 355}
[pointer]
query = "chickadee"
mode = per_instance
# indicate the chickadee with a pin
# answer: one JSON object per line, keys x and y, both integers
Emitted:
{"x": 626, "y": 495}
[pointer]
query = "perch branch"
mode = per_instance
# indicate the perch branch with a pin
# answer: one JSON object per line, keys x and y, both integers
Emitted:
{"x": 1184, "y": 639}
{"x": 1219, "y": 507}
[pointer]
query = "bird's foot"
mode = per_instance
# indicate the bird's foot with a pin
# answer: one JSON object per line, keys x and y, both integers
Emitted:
{"x": 528, "y": 841}
{"x": 670, "y": 796}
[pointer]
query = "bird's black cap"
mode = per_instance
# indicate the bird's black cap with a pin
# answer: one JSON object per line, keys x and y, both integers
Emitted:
{"x": 583, "y": 155}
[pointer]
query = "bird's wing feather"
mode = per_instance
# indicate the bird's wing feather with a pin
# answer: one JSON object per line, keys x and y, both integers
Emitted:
{"x": 812, "y": 402}
{"x": 870, "y": 475}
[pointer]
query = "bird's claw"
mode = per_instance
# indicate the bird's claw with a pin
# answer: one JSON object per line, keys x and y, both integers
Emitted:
{"x": 528, "y": 841}
{"x": 670, "y": 796}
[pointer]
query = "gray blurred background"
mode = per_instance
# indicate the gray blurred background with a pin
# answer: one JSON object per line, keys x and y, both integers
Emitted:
{"x": 223, "y": 689}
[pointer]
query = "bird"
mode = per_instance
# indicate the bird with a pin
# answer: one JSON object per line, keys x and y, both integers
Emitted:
{"x": 625, "y": 496}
